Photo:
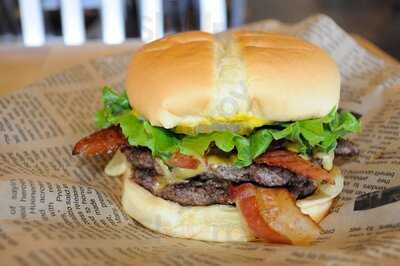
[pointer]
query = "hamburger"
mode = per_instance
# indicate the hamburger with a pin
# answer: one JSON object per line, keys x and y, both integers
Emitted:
{"x": 227, "y": 138}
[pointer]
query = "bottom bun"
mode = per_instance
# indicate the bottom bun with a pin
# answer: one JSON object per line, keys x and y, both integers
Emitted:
{"x": 222, "y": 223}
{"x": 211, "y": 223}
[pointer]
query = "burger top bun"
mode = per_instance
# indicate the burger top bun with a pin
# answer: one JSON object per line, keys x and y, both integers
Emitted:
{"x": 194, "y": 78}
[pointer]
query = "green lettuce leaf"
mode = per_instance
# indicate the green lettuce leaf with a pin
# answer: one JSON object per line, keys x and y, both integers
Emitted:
{"x": 117, "y": 111}
{"x": 225, "y": 141}
{"x": 195, "y": 145}
{"x": 244, "y": 157}
{"x": 307, "y": 136}
{"x": 259, "y": 142}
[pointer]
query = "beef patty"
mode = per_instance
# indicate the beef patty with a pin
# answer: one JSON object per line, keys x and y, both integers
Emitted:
{"x": 197, "y": 191}
{"x": 212, "y": 187}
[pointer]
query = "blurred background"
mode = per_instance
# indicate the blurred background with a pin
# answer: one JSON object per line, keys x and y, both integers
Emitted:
{"x": 376, "y": 20}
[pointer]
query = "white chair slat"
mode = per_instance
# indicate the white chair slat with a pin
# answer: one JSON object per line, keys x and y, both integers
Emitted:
{"x": 213, "y": 19}
{"x": 112, "y": 18}
{"x": 213, "y": 15}
{"x": 32, "y": 22}
{"x": 72, "y": 21}
{"x": 238, "y": 16}
{"x": 151, "y": 20}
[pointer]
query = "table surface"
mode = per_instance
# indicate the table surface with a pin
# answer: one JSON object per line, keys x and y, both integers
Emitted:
{"x": 20, "y": 66}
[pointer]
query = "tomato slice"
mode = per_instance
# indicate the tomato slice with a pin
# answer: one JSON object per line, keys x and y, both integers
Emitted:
{"x": 183, "y": 161}
{"x": 246, "y": 201}
{"x": 279, "y": 210}
{"x": 293, "y": 162}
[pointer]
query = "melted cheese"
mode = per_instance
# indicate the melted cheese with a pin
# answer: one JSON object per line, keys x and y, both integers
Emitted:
{"x": 183, "y": 173}
{"x": 213, "y": 159}
{"x": 176, "y": 174}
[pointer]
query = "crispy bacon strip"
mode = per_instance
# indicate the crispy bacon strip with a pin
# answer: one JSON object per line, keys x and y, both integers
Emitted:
{"x": 183, "y": 161}
{"x": 278, "y": 209}
{"x": 245, "y": 198}
{"x": 272, "y": 215}
{"x": 293, "y": 162}
{"x": 101, "y": 142}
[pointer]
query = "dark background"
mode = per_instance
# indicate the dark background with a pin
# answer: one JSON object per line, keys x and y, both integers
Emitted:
{"x": 378, "y": 21}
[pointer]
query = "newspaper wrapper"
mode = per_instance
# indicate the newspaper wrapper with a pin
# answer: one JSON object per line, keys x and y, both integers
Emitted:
{"x": 56, "y": 209}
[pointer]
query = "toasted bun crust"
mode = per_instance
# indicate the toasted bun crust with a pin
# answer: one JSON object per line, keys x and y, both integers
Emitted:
{"x": 193, "y": 77}
{"x": 220, "y": 223}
